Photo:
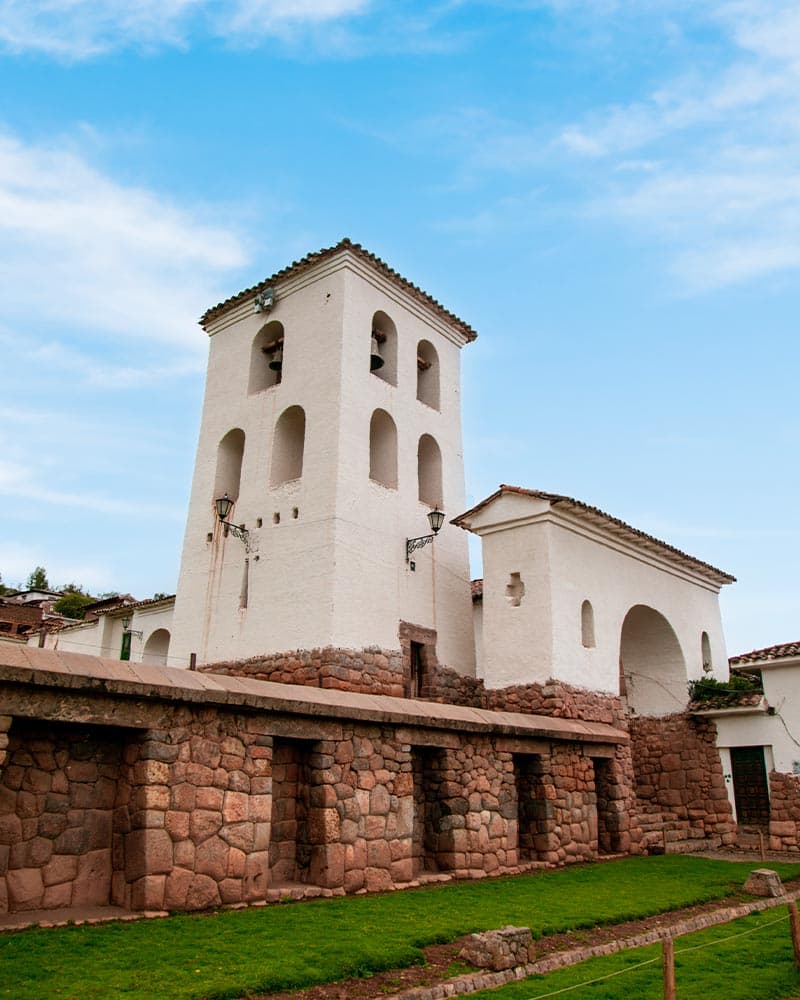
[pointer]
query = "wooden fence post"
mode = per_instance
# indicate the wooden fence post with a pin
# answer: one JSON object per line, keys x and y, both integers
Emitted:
{"x": 668, "y": 963}
{"x": 794, "y": 923}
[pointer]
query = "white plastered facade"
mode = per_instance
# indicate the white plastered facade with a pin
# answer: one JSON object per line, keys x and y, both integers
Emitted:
{"x": 327, "y": 561}
{"x": 150, "y": 625}
{"x": 541, "y": 563}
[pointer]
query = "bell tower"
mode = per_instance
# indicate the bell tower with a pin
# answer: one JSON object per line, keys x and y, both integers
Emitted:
{"x": 332, "y": 423}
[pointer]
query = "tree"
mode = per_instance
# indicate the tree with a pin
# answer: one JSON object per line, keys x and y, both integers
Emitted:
{"x": 3, "y": 588}
{"x": 38, "y": 579}
{"x": 72, "y": 604}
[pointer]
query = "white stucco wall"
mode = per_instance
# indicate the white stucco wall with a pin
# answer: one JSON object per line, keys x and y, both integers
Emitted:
{"x": 336, "y": 572}
{"x": 564, "y": 561}
{"x": 103, "y": 637}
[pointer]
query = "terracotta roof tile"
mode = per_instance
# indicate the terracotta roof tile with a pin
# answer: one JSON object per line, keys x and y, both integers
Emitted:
{"x": 312, "y": 259}
{"x": 620, "y": 527}
{"x": 779, "y": 652}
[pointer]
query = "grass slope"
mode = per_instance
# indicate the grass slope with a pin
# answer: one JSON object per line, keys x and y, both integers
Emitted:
{"x": 231, "y": 953}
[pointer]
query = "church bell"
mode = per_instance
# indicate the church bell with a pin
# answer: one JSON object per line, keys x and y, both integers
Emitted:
{"x": 276, "y": 361}
{"x": 375, "y": 359}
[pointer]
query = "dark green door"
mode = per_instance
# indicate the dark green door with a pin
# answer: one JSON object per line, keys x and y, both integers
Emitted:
{"x": 750, "y": 788}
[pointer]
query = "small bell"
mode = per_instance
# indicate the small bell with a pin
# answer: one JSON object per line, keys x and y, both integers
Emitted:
{"x": 375, "y": 359}
{"x": 276, "y": 361}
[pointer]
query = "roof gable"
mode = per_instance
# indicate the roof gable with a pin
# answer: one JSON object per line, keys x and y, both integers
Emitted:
{"x": 510, "y": 499}
{"x": 312, "y": 260}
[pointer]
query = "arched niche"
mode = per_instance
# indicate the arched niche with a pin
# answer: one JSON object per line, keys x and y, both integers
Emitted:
{"x": 385, "y": 332}
{"x": 427, "y": 374}
{"x": 705, "y": 653}
{"x": 652, "y": 665}
{"x": 156, "y": 649}
{"x": 266, "y": 350}
{"x": 383, "y": 449}
{"x": 587, "y": 625}
{"x": 230, "y": 453}
{"x": 288, "y": 446}
{"x": 429, "y": 472}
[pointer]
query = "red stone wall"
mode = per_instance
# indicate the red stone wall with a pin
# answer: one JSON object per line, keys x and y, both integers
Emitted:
{"x": 369, "y": 671}
{"x": 784, "y": 824}
{"x": 692, "y": 816}
{"x": 679, "y": 783}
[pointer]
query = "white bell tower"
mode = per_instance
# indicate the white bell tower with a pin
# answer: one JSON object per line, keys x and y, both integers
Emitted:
{"x": 332, "y": 421}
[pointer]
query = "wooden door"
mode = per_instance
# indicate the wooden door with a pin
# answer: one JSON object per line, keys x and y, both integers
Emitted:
{"x": 750, "y": 789}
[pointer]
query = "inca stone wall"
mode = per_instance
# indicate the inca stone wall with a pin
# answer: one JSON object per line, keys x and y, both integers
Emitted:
{"x": 680, "y": 785}
{"x": 198, "y": 801}
{"x": 651, "y": 809}
{"x": 208, "y": 808}
{"x": 197, "y": 790}
{"x": 784, "y": 825}
{"x": 371, "y": 671}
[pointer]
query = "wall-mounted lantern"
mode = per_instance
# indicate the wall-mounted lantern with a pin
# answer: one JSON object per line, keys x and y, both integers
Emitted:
{"x": 436, "y": 520}
{"x": 223, "y": 505}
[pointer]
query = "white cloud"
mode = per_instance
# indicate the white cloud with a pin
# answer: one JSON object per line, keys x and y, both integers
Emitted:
{"x": 82, "y": 29}
{"x": 79, "y": 248}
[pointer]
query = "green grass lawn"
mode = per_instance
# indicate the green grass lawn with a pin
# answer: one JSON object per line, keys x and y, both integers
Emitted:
{"x": 755, "y": 963}
{"x": 227, "y": 954}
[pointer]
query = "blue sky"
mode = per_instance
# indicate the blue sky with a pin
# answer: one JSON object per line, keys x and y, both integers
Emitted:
{"x": 607, "y": 190}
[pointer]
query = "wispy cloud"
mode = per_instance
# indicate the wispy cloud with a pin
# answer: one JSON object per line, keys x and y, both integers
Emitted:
{"x": 57, "y": 359}
{"x": 119, "y": 259}
{"x": 82, "y": 29}
{"x": 19, "y": 481}
{"x": 720, "y": 154}
{"x": 704, "y": 164}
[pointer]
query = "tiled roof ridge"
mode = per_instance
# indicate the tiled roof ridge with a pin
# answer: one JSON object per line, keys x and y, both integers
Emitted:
{"x": 777, "y": 652}
{"x": 556, "y": 498}
{"x": 316, "y": 257}
{"x": 149, "y": 600}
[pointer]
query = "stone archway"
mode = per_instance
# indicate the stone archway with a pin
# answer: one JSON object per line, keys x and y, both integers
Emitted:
{"x": 652, "y": 665}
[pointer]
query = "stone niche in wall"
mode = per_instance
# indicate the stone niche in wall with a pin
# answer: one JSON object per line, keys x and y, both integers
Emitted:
{"x": 61, "y": 814}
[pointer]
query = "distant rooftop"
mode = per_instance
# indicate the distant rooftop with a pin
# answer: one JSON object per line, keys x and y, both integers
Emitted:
{"x": 782, "y": 651}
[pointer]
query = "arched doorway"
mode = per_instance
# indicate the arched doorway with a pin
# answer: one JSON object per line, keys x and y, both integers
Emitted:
{"x": 652, "y": 666}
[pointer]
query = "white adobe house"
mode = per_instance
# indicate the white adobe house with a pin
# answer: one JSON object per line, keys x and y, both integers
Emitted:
{"x": 138, "y": 631}
{"x": 575, "y": 595}
{"x": 332, "y": 421}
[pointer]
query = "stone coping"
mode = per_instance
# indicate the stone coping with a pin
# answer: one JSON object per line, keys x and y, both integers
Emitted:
{"x": 46, "y": 668}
